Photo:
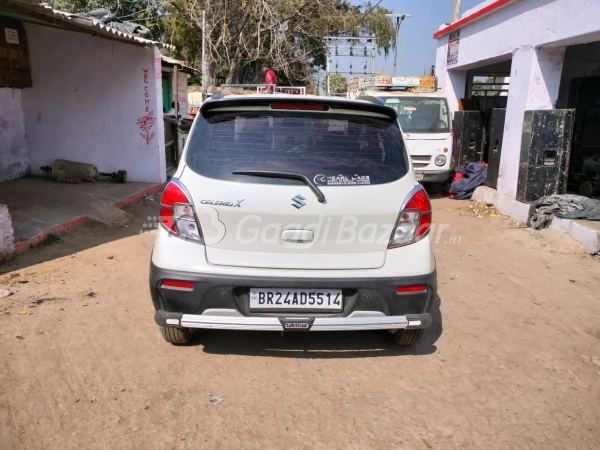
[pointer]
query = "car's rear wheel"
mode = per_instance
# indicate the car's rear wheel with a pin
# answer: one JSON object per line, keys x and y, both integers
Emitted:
{"x": 406, "y": 337}
{"x": 176, "y": 335}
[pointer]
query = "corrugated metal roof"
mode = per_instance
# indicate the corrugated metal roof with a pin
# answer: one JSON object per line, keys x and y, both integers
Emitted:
{"x": 176, "y": 62}
{"x": 22, "y": 9}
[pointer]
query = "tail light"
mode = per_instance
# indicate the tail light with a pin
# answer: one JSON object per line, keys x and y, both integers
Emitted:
{"x": 300, "y": 106}
{"x": 409, "y": 289}
{"x": 414, "y": 221}
{"x": 178, "y": 285}
{"x": 177, "y": 213}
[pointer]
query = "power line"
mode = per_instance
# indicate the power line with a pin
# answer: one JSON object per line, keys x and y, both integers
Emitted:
{"x": 373, "y": 7}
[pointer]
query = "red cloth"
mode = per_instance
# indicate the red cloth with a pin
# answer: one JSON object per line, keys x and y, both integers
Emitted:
{"x": 270, "y": 77}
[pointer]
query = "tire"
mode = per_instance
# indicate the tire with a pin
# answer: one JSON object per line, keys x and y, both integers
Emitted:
{"x": 433, "y": 188}
{"x": 176, "y": 335}
{"x": 406, "y": 338}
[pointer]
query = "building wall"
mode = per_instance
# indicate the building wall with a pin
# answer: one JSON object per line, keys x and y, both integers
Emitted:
{"x": 93, "y": 100}
{"x": 14, "y": 162}
{"x": 522, "y": 24}
{"x": 7, "y": 247}
{"x": 181, "y": 91}
{"x": 533, "y": 34}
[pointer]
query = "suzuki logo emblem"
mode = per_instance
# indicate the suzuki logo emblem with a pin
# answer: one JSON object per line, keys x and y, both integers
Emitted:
{"x": 298, "y": 201}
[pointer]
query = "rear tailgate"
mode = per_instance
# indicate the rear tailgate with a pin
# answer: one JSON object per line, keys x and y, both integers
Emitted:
{"x": 351, "y": 231}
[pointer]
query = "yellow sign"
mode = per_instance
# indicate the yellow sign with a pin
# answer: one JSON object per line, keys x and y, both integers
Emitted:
{"x": 428, "y": 82}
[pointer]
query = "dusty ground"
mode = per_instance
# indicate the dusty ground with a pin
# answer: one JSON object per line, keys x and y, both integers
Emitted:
{"x": 513, "y": 360}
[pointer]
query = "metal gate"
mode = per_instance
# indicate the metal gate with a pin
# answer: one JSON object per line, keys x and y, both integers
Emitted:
{"x": 468, "y": 129}
{"x": 495, "y": 146}
{"x": 545, "y": 149}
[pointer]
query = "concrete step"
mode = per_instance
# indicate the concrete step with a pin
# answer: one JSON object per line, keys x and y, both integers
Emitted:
{"x": 586, "y": 232}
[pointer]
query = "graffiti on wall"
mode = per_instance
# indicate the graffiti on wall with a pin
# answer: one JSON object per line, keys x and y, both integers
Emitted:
{"x": 146, "y": 122}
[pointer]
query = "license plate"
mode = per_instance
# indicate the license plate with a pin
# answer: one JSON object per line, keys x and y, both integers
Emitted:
{"x": 296, "y": 299}
{"x": 419, "y": 176}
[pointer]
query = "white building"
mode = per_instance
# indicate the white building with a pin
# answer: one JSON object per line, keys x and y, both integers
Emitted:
{"x": 550, "y": 51}
{"x": 91, "y": 89}
{"x": 72, "y": 88}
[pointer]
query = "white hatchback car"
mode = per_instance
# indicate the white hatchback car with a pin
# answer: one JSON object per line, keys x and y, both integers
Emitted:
{"x": 294, "y": 213}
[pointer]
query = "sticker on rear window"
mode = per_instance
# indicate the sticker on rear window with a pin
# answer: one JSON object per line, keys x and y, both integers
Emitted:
{"x": 342, "y": 180}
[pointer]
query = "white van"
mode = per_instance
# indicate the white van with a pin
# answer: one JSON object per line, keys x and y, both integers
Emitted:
{"x": 294, "y": 213}
{"x": 426, "y": 124}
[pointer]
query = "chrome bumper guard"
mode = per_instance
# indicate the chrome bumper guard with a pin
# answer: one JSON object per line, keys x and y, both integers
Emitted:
{"x": 286, "y": 323}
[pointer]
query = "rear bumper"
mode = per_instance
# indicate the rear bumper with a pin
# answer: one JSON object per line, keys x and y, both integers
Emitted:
{"x": 374, "y": 322}
{"x": 221, "y": 302}
{"x": 431, "y": 176}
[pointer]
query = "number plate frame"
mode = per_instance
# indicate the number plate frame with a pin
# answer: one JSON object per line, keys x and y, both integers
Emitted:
{"x": 332, "y": 300}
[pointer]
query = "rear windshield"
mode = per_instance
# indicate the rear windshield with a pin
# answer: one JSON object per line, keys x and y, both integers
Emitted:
{"x": 421, "y": 114}
{"x": 330, "y": 149}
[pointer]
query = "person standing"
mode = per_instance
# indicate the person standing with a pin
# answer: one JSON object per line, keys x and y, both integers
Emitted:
{"x": 270, "y": 79}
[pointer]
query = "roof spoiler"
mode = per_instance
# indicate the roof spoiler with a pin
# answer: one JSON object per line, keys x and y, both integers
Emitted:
{"x": 374, "y": 106}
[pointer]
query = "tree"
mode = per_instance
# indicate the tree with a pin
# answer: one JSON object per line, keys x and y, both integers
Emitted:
{"x": 244, "y": 34}
{"x": 289, "y": 34}
{"x": 337, "y": 84}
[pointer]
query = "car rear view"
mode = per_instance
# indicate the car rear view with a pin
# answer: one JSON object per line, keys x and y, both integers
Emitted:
{"x": 293, "y": 213}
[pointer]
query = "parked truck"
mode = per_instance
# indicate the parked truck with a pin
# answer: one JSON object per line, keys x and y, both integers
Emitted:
{"x": 424, "y": 117}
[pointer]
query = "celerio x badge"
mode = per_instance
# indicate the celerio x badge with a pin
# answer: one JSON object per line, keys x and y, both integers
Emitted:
{"x": 234, "y": 204}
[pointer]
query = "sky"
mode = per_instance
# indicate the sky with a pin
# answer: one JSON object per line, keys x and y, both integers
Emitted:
{"x": 417, "y": 47}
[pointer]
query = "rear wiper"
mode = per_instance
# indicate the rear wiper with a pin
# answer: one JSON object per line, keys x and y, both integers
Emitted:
{"x": 286, "y": 175}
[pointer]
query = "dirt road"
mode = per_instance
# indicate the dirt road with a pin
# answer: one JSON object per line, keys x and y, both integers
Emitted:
{"x": 512, "y": 361}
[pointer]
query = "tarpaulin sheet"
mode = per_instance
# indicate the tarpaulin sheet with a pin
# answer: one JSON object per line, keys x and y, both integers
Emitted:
{"x": 565, "y": 206}
{"x": 466, "y": 178}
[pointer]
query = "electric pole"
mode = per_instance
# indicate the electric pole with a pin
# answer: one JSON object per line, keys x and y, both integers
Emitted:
{"x": 204, "y": 62}
{"x": 327, "y": 74}
{"x": 456, "y": 10}
{"x": 373, "y": 51}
